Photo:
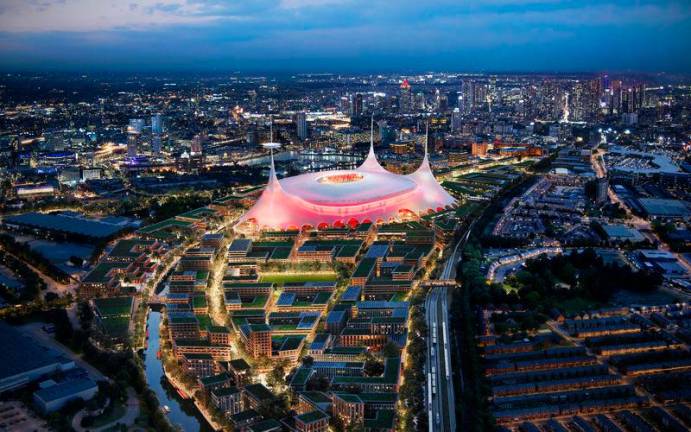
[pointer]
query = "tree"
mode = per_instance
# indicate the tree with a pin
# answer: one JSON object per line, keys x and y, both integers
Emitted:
{"x": 390, "y": 349}
{"x": 277, "y": 376}
{"x": 373, "y": 367}
{"x": 307, "y": 361}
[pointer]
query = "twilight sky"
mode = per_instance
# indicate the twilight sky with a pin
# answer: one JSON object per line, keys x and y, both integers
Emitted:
{"x": 346, "y": 35}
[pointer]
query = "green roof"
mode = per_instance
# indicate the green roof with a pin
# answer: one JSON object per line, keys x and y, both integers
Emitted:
{"x": 280, "y": 253}
{"x": 225, "y": 391}
{"x": 259, "y": 392}
{"x": 198, "y": 356}
{"x": 348, "y": 397}
{"x": 258, "y": 302}
{"x": 385, "y": 419}
{"x": 364, "y": 267}
{"x": 265, "y": 426}
{"x": 312, "y": 416}
{"x": 348, "y": 251}
{"x": 316, "y": 396}
{"x": 204, "y": 321}
{"x": 199, "y": 301}
{"x": 123, "y": 248}
{"x": 115, "y": 326}
{"x": 114, "y": 306}
{"x": 244, "y": 416}
{"x": 272, "y": 244}
{"x": 364, "y": 227}
{"x": 218, "y": 329}
{"x": 168, "y": 223}
{"x": 239, "y": 364}
{"x": 379, "y": 397}
{"x": 301, "y": 376}
{"x": 215, "y": 379}
{"x": 390, "y": 375}
{"x": 199, "y": 213}
{"x": 175, "y": 318}
{"x": 98, "y": 274}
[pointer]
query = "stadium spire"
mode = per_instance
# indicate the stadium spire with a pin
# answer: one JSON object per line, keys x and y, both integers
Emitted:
{"x": 426, "y": 137}
{"x": 371, "y": 163}
{"x": 271, "y": 145}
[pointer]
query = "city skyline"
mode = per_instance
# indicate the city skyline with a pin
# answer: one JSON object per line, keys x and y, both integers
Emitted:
{"x": 346, "y": 36}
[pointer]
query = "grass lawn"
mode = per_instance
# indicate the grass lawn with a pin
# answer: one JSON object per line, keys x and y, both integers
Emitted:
{"x": 578, "y": 304}
{"x": 281, "y": 278}
{"x": 117, "y": 412}
{"x": 657, "y": 297}
{"x": 508, "y": 288}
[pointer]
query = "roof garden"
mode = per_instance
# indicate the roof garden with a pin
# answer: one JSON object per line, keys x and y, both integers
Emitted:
{"x": 312, "y": 416}
{"x": 114, "y": 306}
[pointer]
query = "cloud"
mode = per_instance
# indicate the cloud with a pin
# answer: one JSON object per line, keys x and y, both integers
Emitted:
{"x": 332, "y": 33}
{"x": 98, "y": 15}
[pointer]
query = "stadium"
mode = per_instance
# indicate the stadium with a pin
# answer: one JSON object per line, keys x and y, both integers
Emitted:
{"x": 337, "y": 198}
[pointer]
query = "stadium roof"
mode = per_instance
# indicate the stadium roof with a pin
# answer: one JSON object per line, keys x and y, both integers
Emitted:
{"x": 366, "y": 194}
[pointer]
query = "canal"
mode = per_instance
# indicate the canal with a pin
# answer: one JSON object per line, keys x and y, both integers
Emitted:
{"x": 183, "y": 413}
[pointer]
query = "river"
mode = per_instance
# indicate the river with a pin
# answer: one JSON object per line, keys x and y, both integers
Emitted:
{"x": 305, "y": 158}
{"x": 183, "y": 413}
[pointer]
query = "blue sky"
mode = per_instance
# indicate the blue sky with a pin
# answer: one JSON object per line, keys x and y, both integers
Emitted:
{"x": 346, "y": 35}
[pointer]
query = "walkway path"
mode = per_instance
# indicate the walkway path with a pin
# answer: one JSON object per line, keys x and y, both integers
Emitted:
{"x": 128, "y": 419}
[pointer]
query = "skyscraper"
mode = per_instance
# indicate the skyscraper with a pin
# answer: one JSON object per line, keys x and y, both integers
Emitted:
{"x": 405, "y": 101}
{"x": 601, "y": 186}
{"x": 156, "y": 131}
{"x": 156, "y": 124}
{"x": 196, "y": 147}
{"x": 356, "y": 105}
{"x": 301, "y": 122}
{"x": 467, "y": 98}
{"x": 137, "y": 125}
{"x": 134, "y": 131}
{"x": 456, "y": 120}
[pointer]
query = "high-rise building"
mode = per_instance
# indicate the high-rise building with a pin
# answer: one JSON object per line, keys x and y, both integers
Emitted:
{"x": 467, "y": 98}
{"x": 616, "y": 90}
{"x": 356, "y": 105}
{"x": 479, "y": 149}
{"x": 156, "y": 144}
{"x": 405, "y": 100}
{"x": 257, "y": 339}
{"x": 419, "y": 103}
{"x": 137, "y": 125}
{"x": 301, "y": 122}
{"x": 441, "y": 101}
{"x": 156, "y": 124}
{"x": 134, "y": 131}
{"x": 197, "y": 147}
{"x": 601, "y": 186}
{"x": 156, "y": 131}
{"x": 456, "y": 120}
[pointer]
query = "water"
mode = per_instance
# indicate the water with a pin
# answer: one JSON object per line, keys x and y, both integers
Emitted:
{"x": 304, "y": 158}
{"x": 183, "y": 413}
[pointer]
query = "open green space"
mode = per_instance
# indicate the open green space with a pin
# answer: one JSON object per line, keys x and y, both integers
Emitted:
{"x": 109, "y": 416}
{"x": 282, "y": 278}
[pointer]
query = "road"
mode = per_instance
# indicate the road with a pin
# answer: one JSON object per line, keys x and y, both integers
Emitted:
{"x": 51, "y": 284}
{"x": 441, "y": 405}
{"x": 451, "y": 264}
